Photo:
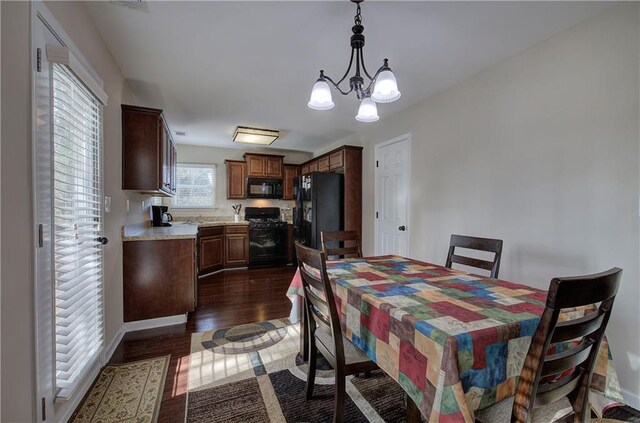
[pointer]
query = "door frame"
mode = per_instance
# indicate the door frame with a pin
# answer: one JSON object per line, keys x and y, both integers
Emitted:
{"x": 47, "y": 409}
{"x": 402, "y": 138}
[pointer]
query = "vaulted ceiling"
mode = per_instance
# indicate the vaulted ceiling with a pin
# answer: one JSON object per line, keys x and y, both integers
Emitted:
{"x": 215, "y": 65}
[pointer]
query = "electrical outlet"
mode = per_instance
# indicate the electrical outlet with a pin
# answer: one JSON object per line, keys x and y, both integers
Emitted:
{"x": 142, "y": 205}
{"x": 107, "y": 204}
{"x": 127, "y": 206}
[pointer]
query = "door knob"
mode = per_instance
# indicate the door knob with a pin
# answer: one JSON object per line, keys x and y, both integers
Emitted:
{"x": 402, "y": 228}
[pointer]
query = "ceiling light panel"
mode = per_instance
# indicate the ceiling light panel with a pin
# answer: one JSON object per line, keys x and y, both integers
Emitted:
{"x": 247, "y": 135}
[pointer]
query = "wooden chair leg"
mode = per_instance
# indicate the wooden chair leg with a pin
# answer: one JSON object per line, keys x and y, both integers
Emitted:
{"x": 338, "y": 413}
{"x": 311, "y": 373}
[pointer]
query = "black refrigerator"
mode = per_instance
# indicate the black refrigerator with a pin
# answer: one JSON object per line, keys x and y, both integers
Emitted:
{"x": 319, "y": 206}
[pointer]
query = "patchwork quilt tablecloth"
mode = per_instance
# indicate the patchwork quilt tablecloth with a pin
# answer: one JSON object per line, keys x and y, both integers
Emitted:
{"x": 454, "y": 341}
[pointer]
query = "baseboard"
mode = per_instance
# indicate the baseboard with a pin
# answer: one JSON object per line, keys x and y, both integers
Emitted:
{"x": 631, "y": 399}
{"x": 155, "y": 323}
{"x": 111, "y": 348}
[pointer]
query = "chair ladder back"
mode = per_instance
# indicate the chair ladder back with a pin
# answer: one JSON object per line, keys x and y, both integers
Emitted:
{"x": 537, "y": 386}
{"x": 348, "y": 244}
{"x": 474, "y": 243}
{"x": 318, "y": 308}
{"x": 323, "y": 311}
{"x": 578, "y": 328}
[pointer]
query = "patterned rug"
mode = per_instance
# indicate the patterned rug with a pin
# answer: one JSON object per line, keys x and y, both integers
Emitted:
{"x": 254, "y": 373}
{"x": 129, "y": 392}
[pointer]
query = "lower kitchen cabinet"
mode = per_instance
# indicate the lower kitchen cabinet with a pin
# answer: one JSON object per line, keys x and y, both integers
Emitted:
{"x": 159, "y": 278}
{"x": 211, "y": 249}
{"x": 236, "y": 245}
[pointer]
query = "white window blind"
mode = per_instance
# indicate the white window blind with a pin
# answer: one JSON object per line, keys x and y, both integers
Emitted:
{"x": 77, "y": 223}
{"x": 196, "y": 186}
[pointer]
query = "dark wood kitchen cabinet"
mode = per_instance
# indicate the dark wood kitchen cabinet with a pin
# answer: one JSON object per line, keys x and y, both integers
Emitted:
{"x": 236, "y": 245}
{"x": 263, "y": 165}
{"x": 290, "y": 173}
{"x": 159, "y": 278}
{"x": 323, "y": 164}
{"x": 210, "y": 249}
{"x": 236, "y": 179}
{"x": 149, "y": 155}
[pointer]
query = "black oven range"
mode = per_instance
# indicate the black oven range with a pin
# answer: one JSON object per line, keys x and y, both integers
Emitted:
{"x": 267, "y": 237}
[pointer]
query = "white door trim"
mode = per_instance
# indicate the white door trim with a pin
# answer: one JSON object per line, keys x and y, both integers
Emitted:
{"x": 41, "y": 17}
{"x": 405, "y": 137}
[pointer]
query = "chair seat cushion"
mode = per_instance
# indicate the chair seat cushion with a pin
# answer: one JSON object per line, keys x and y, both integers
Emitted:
{"x": 501, "y": 412}
{"x": 352, "y": 353}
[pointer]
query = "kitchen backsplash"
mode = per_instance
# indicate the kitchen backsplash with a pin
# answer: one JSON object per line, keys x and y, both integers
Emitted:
{"x": 223, "y": 208}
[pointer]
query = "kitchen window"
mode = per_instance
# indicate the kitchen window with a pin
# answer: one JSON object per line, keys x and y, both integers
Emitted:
{"x": 196, "y": 186}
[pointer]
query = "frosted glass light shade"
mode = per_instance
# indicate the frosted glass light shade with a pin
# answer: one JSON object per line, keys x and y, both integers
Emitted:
{"x": 368, "y": 111}
{"x": 386, "y": 88}
{"x": 321, "y": 96}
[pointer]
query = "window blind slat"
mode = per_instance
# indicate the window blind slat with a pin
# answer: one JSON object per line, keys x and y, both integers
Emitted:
{"x": 77, "y": 207}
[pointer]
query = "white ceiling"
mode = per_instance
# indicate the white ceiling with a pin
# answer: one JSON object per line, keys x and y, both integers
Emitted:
{"x": 215, "y": 65}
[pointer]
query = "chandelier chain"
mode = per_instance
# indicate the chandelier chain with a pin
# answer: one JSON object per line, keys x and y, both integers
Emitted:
{"x": 358, "y": 18}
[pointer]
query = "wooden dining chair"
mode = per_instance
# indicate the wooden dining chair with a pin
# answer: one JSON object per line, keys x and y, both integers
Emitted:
{"x": 343, "y": 244}
{"x": 324, "y": 328}
{"x": 554, "y": 386}
{"x": 479, "y": 244}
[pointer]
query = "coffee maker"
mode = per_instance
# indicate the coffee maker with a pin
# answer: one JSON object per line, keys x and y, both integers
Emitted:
{"x": 160, "y": 217}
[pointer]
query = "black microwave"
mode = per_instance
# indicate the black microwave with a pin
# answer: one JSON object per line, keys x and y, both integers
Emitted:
{"x": 264, "y": 188}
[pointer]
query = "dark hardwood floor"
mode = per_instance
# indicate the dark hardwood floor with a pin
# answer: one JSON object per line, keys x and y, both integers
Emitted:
{"x": 227, "y": 298}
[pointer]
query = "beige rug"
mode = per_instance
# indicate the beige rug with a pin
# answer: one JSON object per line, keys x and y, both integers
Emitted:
{"x": 130, "y": 392}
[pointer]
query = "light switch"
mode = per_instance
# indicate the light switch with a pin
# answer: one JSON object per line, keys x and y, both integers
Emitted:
{"x": 127, "y": 206}
{"x": 107, "y": 204}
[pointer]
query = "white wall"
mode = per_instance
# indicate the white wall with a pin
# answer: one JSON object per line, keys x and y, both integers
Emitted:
{"x": 542, "y": 151}
{"x": 17, "y": 312}
{"x": 217, "y": 156}
{"x": 18, "y": 378}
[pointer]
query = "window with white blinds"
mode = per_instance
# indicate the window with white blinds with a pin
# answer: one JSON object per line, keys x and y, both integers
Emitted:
{"x": 77, "y": 226}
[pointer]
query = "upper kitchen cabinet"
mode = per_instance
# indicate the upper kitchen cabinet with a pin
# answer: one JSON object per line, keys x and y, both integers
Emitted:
{"x": 236, "y": 179}
{"x": 264, "y": 165}
{"x": 149, "y": 155}
{"x": 335, "y": 160}
{"x": 290, "y": 173}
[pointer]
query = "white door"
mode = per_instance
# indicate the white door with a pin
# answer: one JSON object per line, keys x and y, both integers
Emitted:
{"x": 68, "y": 196}
{"x": 393, "y": 170}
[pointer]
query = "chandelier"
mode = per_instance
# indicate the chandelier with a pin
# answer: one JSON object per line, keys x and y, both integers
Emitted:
{"x": 385, "y": 87}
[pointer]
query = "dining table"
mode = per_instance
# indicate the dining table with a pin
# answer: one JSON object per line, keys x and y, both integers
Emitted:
{"x": 454, "y": 341}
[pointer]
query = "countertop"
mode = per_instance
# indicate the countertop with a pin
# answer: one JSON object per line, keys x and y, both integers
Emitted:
{"x": 182, "y": 229}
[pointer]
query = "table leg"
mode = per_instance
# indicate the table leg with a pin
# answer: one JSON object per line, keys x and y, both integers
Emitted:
{"x": 413, "y": 412}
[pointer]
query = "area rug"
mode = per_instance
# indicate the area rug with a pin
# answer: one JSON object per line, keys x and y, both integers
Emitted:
{"x": 130, "y": 392}
{"x": 254, "y": 373}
